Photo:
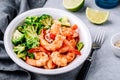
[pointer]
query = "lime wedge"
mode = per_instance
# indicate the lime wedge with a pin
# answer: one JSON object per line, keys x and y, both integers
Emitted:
{"x": 96, "y": 16}
{"x": 73, "y": 5}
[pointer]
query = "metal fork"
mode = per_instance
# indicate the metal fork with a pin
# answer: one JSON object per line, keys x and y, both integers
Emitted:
{"x": 97, "y": 43}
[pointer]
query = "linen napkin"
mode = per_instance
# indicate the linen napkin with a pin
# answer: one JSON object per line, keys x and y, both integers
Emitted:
{"x": 8, "y": 10}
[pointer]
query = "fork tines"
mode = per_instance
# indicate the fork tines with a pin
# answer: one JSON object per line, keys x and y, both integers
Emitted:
{"x": 99, "y": 37}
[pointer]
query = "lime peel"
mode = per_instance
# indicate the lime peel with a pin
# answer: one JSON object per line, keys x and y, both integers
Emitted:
{"x": 73, "y": 5}
{"x": 96, "y": 16}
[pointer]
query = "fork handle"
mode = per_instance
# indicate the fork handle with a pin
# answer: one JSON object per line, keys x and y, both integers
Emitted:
{"x": 85, "y": 67}
{"x": 83, "y": 72}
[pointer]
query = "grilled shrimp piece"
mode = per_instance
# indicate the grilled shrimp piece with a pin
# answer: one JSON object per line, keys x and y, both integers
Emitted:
{"x": 64, "y": 49}
{"x": 69, "y": 43}
{"x": 70, "y": 56}
{"x": 73, "y": 43}
{"x": 50, "y": 65}
{"x": 56, "y": 27}
{"x": 65, "y": 31}
{"x": 56, "y": 44}
{"x": 67, "y": 46}
{"x": 58, "y": 59}
{"x": 62, "y": 59}
{"x": 40, "y": 59}
{"x": 69, "y": 32}
{"x": 71, "y": 46}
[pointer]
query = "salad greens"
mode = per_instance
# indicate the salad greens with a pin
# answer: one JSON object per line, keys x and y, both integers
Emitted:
{"x": 26, "y": 36}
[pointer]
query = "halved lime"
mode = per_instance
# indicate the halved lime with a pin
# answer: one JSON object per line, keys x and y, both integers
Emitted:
{"x": 73, "y": 5}
{"x": 97, "y": 16}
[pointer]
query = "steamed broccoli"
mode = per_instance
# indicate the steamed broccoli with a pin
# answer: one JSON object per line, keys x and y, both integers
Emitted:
{"x": 21, "y": 51}
{"x": 17, "y": 37}
{"x": 64, "y": 21}
{"x": 46, "y": 20}
{"x": 26, "y": 35}
{"x": 19, "y": 48}
{"x": 22, "y": 55}
{"x": 21, "y": 28}
{"x": 30, "y": 55}
{"x": 32, "y": 39}
{"x": 32, "y": 21}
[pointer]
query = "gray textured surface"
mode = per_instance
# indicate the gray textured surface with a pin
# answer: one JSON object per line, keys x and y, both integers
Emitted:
{"x": 105, "y": 65}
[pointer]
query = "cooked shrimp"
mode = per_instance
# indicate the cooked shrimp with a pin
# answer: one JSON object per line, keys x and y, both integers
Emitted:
{"x": 66, "y": 42}
{"x": 49, "y": 64}
{"x": 71, "y": 47}
{"x": 65, "y": 31}
{"x": 59, "y": 59}
{"x": 56, "y": 44}
{"x": 73, "y": 43}
{"x": 68, "y": 46}
{"x": 55, "y": 28}
{"x": 64, "y": 49}
{"x": 62, "y": 59}
{"x": 75, "y": 34}
{"x": 69, "y": 32}
{"x": 40, "y": 59}
{"x": 70, "y": 56}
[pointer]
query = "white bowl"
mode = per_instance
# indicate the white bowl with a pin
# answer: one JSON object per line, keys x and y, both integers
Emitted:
{"x": 114, "y": 39}
{"x": 55, "y": 13}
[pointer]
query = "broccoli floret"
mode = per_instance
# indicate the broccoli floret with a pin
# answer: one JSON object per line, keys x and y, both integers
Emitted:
{"x": 64, "y": 21}
{"x": 21, "y": 28}
{"x": 22, "y": 55}
{"x": 20, "y": 51}
{"x": 39, "y": 22}
{"x": 32, "y": 39}
{"x": 31, "y": 55}
{"x": 32, "y": 20}
{"x": 17, "y": 37}
{"x": 46, "y": 20}
{"x": 19, "y": 48}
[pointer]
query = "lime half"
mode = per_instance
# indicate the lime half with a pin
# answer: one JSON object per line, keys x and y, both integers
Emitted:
{"x": 73, "y": 5}
{"x": 96, "y": 16}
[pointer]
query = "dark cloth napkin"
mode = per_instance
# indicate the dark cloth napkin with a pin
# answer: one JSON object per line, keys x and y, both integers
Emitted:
{"x": 8, "y": 10}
